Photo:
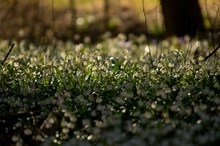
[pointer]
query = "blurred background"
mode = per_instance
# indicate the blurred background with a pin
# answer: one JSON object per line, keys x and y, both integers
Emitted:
{"x": 43, "y": 21}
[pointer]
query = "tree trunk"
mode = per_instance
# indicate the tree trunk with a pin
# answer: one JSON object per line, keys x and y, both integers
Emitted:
{"x": 182, "y": 17}
{"x": 106, "y": 13}
{"x": 72, "y": 4}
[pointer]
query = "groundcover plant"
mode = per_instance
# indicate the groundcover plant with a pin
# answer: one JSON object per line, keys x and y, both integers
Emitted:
{"x": 113, "y": 93}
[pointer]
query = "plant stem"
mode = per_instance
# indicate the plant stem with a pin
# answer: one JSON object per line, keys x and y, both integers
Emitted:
{"x": 12, "y": 46}
{"x": 213, "y": 52}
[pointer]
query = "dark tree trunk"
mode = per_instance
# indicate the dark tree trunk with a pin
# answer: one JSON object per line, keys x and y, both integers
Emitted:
{"x": 182, "y": 17}
{"x": 106, "y": 13}
{"x": 72, "y": 4}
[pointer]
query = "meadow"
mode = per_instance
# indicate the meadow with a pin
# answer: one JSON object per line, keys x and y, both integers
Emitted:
{"x": 122, "y": 91}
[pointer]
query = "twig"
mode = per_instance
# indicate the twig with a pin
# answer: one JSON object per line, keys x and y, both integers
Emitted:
{"x": 53, "y": 17}
{"x": 211, "y": 23}
{"x": 146, "y": 27}
{"x": 12, "y": 46}
{"x": 213, "y": 52}
{"x": 145, "y": 17}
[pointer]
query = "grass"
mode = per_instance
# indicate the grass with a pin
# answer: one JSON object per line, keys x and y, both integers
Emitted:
{"x": 110, "y": 93}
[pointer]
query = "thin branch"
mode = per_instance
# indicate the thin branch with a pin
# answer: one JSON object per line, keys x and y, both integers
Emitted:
{"x": 12, "y": 46}
{"x": 145, "y": 17}
{"x": 216, "y": 16}
{"x": 53, "y": 17}
{"x": 154, "y": 8}
{"x": 213, "y": 52}
{"x": 211, "y": 23}
{"x": 145, "y": 21}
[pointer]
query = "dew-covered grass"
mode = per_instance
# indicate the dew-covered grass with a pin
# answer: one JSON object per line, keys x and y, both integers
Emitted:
{"x": 113, "y": 93}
